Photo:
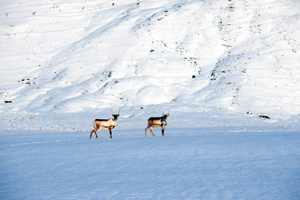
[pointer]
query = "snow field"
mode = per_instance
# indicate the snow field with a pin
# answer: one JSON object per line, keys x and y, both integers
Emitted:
{"x": 185, "y": 164}
{"x": 136, "y": 118}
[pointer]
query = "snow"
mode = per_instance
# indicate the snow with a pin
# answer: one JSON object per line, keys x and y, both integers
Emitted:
{"x": 219, "y": 67}
{"x": 83, "y": 57}
{"x": 185, "y": 164}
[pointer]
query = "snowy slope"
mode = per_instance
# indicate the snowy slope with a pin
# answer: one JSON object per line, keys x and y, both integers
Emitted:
{"x": 211, "y": 61}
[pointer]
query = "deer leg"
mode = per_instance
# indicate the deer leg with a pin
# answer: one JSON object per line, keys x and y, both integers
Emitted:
{"x": 146, "y": 131}
{"x": 94, "y": 130}
{"x": 96, "y": 134}
{"x": 163, "y": 130}
{"x": 110, "y": 133}
{"x": 91, "y": 134}
{"x": 96, "y": 127}
{"x": 152, "y": 131}
{"x": 149, "y": 124}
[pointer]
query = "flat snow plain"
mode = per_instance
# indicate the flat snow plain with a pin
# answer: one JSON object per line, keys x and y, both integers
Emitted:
{"x": 202, "y": 163}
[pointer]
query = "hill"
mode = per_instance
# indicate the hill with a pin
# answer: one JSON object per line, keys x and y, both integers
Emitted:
{"x": 209, "y": 62}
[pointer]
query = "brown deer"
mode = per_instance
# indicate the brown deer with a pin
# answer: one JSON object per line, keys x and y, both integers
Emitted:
{"x": 105, "y": 124}
{"x": 157, "y": 122}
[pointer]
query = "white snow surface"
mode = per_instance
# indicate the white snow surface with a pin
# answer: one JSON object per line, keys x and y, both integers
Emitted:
{"x": 185, "y": 164}
{"x": 227, "y": 71}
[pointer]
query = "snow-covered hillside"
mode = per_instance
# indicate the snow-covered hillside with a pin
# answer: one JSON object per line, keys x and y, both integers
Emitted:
{"x": 208, "y": 61}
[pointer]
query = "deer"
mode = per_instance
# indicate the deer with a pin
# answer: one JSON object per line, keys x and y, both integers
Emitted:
{"x": 105, "y": 124}
{"x": 157, "y": 122}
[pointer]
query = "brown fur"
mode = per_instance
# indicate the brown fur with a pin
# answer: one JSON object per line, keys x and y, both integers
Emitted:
{"x": 156, "y": 122}
{"x": 105, "y": 124}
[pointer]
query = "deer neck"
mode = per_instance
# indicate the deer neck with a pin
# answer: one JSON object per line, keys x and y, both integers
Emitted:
{"x": 166, "y": 118}
{"x": 115, "y": 120}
